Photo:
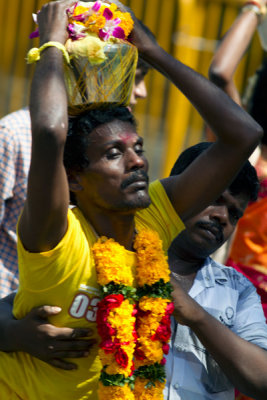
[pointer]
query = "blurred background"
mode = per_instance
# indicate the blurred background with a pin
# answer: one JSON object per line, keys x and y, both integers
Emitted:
{"x": 188, "y": 29}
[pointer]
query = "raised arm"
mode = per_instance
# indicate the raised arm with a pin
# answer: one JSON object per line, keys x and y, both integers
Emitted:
{"x": 44, "y": 218}
{"x": 237, "y": 133}
{"x": 232, "y": 49}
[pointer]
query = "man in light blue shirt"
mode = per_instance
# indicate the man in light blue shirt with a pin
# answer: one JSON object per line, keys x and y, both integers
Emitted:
{"x": 219, "y": 329}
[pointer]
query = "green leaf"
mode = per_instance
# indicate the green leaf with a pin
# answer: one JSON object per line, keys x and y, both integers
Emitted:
{"x": 158, "y": 289}
{"x": 152, "y": 373}
{"x": 113, "y": 288}
{"x": 116, "y": 380}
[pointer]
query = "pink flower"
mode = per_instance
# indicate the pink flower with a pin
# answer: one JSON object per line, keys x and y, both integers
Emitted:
{"x": 96, "y": 7}
{"x": 112, "y": 29}
{"x": 104, "y": 35}
{"x": 34, "y": 34}
{"x": 76, "y": 31}
{"x": 118, "y": 33}
{"x": 108, "y": 14}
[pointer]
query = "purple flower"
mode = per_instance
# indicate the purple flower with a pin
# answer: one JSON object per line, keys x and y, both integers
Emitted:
{"x": 108, "y": 14}
{"x": 96, "y": 7}
{"x": 80, "y": 17}
{"x": 118, "y": 33}
{"x": 75, "y": 31}
{"x": 34, "y": 34}
{"x": 104, "y": 35}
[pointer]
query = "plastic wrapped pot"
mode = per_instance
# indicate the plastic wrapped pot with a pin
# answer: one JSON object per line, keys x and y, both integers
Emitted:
{"x": 92, "y": 84}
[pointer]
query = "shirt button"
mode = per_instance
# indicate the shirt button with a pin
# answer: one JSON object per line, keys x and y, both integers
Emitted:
{"x": 176, "y": 386}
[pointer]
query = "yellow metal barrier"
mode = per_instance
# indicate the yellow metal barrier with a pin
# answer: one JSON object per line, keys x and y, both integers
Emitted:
{"x": 189, "y": 29}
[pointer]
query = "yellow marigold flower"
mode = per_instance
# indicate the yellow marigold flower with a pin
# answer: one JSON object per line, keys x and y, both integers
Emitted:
{"x": 152, "y": 350}
{"x": 126, "y": 21}
{"x": 156, "y": 305}
{"x": 106, "y": 359}
{"x": 141, "y": 392}
{"x": 115, "y": 392}
{"x": 148, "y": 326}
{"x": 110, "y": 262}
{"x": 80, "y": 10}
{"x": 113, "y": 7}
{"x": 95, "y": 22}
{"x": 152, "y": 262}
{"x": 123, "y": 321}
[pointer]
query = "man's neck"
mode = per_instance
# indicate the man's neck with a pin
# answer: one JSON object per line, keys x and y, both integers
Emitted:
{"x": 182, "y": 262}
{"x": 184, "y": 267}
{"x": 119, "y": 226}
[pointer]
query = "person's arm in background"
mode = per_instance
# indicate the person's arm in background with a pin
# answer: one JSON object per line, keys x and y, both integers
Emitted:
{"x": 33, "y": 334}
{"x": 226, "y": 59}
{"x": 233, "y": 47}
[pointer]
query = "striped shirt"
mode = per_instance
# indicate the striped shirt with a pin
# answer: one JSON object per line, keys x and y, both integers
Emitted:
{"x": 15, "y": 153}
{"x": 192, "y": 373}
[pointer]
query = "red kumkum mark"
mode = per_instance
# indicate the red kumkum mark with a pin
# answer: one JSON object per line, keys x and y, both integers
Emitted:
{"x": 127, "y": 137}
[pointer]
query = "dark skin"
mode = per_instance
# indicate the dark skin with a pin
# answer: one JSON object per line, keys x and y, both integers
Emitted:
{"x": 47, "y": 208}
{"x": 204, "y": 234}
{"x": 231, "y": 50}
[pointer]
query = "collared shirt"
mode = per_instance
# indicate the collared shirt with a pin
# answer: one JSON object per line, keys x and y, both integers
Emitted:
{"x": 15, "y": 153}
{"x": 192, "y": 373}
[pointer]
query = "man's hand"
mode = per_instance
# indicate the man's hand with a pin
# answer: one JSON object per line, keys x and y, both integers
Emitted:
{"x": 53, "y": 21}
{"x": 186, "y": 310}
{"x": 138, "y": 36}
{"x": 33, "y": 334}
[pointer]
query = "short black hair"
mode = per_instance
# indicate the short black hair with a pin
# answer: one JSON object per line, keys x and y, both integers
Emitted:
{"x": 246, "y": 182}
{"x": 80, "y": 127}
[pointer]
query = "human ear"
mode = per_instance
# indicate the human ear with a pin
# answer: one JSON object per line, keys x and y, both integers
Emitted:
{"x": 74, "y": 181}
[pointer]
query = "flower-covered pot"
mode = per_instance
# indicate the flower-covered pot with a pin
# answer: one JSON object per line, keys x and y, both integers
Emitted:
{"x": 92, "y": 82}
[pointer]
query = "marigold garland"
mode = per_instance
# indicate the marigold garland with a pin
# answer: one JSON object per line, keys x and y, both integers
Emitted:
{"x": 134, "y": 337}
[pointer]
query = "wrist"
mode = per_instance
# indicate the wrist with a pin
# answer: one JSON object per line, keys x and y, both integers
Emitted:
{"x": 10, "y": 340}
{"x": 257, "y": 7}
{"x": 35, "y": 54}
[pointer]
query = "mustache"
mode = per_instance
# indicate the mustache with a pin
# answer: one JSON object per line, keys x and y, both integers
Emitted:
{"x": 135, "y": 177}
{"x": 214, "y": 227}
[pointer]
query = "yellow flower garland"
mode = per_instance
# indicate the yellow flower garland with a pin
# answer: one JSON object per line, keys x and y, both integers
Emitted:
{"x": 128, "y": 352}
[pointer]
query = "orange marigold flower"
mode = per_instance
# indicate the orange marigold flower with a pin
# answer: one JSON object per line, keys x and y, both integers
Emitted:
{"x": 126, "y": 21}
{"x": 152, "y": 350}
{"x": 142, "y": 392}
{"x": 95, "y": 22}
{"x": 115, "y": 392}
{"x": 152, "y": 262}
{"x": 156, "y": 305}
{"x": 80, "y": 10}
{"x": 147, "y": 326}
{"x": 123, "y": 321}
{"x": 110, "y": 262}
